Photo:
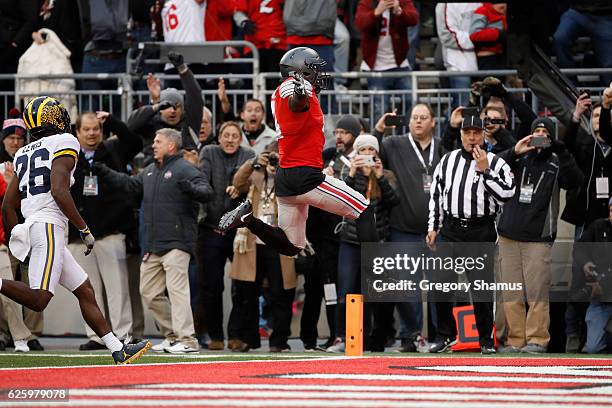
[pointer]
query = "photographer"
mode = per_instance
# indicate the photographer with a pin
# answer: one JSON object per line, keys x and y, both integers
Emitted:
{"x": 497, "y": 137}
{"x": 367, "y": 176}
{"x": 218, "y": 164}
{"x": 527, "y": 228}
{"x": 254, "y": 261}
{"x": 169, "y": 110}
{"x": 588, "y": 202}
{"x": 594, "y": 261}
{"x": 491, "y": 93}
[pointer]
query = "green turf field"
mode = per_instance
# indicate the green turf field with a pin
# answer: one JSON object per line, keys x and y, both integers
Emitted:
{"x": 72, "y": 358}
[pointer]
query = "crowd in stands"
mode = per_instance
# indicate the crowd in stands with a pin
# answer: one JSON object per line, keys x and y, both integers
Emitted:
{"x": 154, "y": 187}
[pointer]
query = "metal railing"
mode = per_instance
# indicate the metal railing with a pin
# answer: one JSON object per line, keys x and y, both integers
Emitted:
{"x": 120, "y": 96}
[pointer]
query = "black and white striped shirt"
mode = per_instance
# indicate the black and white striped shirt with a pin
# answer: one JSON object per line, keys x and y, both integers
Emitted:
{"x": 462, "y": 192}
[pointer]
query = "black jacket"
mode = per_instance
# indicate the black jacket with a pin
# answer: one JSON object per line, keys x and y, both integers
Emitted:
{"x": 109, "y": 212}
{"x": 582, "y": 205}
{"x": 145, "y": 121}
{"x": 451, "y": 139}
{"x": 547, "y": 172}
{"x": 169, "y": 195}
{"x": 218, "y": 171}
{"x": 382, "y": 206}
{"x": 18, "y": 20}
{"x": 398, "y": 155}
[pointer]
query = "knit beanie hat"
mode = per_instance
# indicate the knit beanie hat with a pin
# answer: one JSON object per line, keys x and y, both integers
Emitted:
{"x": 366, "y": 140}
{"x": 14, "y": 124}
{"x": 545, "y": 123}
{"x": 171, "y": 95}
{"x": 349, "y": 123}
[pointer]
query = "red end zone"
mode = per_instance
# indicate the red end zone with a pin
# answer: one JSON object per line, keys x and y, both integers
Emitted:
{"x": 507, "y": 372}
{"x": 373, "y": 381}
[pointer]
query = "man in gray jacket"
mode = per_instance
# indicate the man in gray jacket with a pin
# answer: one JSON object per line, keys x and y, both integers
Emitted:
{"x": 169, "y": 188}
{"x": 218, "y": 164}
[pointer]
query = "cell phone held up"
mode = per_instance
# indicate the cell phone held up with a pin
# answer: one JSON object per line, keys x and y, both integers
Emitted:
{"x": 395, "y": 120}
{"x": 542, "y": 142}
{"x": 368, "y": 160}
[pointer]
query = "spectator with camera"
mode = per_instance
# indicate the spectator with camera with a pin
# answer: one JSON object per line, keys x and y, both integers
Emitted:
{"x": 168, "y": 109}
{"x": 497, "y": 137}
{"x": 110, "y": 216}
{"x": 170, "y": 189}
{"x": 593, "y": 259}
{"x": 366, "y": 175}
{"x": 254, "y": 261}
{"x": 219, "y": 164}
{"x": 412, "y": 158}
{"x": 588, "y": 202}
{"x": 527, "y": 229}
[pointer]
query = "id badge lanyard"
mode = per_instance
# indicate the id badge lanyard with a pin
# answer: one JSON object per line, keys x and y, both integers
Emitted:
{"x": 527, "y": 189}
{"x": 427, "y": 178}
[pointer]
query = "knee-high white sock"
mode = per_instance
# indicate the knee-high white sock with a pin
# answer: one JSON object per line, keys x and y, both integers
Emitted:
{"x": 112, "y": 342}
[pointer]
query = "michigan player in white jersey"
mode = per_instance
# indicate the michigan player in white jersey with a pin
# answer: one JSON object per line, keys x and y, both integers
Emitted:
{"x": 44, "y": 173}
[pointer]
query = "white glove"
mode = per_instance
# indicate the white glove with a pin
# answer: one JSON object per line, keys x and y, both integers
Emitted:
{"x": 300, "y": 85}
{"x": 308, "y": 249}
{"x": 240, "y": 241}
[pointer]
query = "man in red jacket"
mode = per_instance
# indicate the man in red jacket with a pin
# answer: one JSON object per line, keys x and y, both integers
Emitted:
{"x": 384, "y": 44}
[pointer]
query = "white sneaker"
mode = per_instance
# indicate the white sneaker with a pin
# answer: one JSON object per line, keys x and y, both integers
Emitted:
{"x": 337, "y": 347}
{"x": 21, "y": 346}
{"x": 159, "y": 348}
{"x": 181, "y": 348}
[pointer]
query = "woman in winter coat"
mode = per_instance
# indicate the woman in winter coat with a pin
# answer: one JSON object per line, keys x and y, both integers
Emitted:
{"x": 254, "y": 261}
{"x": 368, "y": 177}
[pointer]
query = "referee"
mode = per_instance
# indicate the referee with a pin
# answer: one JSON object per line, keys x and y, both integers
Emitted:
{"x": 468, "y": 190}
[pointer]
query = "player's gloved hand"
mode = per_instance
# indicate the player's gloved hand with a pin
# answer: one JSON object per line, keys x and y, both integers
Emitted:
{"x": 299, "y": 85}
{"x": 248, "y": 27}
{"x": 88, "y": 239}
{"x": 176, "y": 59}
{"x": 308, "y": 249}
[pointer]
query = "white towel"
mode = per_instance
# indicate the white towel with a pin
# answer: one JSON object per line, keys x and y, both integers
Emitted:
{"x": 19, "y": 244}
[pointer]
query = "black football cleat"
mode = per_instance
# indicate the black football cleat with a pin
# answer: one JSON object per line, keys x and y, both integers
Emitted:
{"x": 131, "y": 352}
{"x": 238, "y": 217}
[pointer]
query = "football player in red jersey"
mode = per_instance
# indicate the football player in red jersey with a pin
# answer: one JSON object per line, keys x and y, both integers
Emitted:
{"x": 299, "y": 180}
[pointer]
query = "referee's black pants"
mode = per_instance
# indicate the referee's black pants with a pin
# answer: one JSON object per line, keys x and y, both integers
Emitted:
{"x": 483, "y": 311}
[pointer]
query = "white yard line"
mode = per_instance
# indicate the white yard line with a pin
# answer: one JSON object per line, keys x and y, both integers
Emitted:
{"x": 380, "y": 388}
{"x": 412, "y": 377}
